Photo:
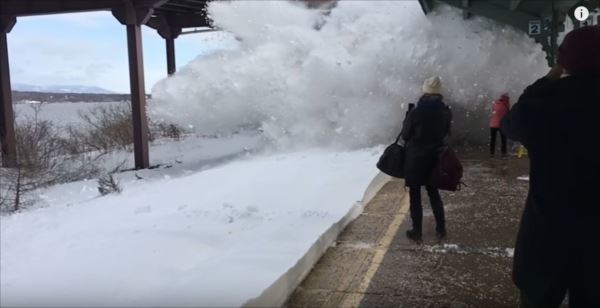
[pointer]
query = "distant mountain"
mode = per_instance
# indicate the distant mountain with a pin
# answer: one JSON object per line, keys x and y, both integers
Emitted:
{"x": 24, "y": 97}
{"x": 60, "y": 89}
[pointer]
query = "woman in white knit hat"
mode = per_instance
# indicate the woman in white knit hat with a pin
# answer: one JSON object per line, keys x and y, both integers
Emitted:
{"x": 425, "y": 129}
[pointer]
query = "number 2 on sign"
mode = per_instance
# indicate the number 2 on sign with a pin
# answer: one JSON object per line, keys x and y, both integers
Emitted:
{"x": 535, "y": 27}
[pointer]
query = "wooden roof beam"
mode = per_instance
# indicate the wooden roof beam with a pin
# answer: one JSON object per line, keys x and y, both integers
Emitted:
{"x": 7, "y": 23}
{"x": 164, "y": 22}
{"x": 196, "y": 3}
{"x": 43, "y": 7}
{"x": 164, "y": 26}
{"x": 138, "y": 12}
{"x": 168, "y": 9}
{"x": 170, "y": 5}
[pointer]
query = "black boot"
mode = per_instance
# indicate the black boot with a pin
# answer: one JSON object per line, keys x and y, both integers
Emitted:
{"x": 415, "y": 235}
{"x": 440, "y": 232}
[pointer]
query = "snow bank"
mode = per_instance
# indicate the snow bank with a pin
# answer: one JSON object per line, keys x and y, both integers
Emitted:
{"x": 346, "y": 85}
{"x": 215, "y": 238}
{"x": 279, "y": 291}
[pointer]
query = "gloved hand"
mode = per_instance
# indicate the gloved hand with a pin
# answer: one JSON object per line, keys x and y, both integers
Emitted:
{"x": 555, "y": 72}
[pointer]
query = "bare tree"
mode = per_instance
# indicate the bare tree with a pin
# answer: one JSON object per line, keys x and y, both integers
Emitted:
{"x": 42, "y": 160}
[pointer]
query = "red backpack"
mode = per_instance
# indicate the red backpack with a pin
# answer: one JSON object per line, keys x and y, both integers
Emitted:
{"x": 448, "y": 171}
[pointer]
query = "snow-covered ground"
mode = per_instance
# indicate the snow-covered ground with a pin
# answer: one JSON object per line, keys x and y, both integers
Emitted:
{"x": 214, "y": 238}
{"x": 215, "y": 223}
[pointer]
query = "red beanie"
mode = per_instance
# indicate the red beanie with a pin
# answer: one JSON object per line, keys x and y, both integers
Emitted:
{"x": 580, "y": 51}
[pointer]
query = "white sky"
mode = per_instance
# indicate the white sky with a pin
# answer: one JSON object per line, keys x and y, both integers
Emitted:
{"x": 91, "y": 49}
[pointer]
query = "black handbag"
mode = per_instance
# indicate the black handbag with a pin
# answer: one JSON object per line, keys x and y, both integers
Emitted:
{"x": 391, "y": 161}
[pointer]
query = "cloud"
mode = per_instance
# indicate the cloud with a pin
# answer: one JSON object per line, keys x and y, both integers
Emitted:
{"x": 51, "y": 61}
{"x": 91, "y": 49}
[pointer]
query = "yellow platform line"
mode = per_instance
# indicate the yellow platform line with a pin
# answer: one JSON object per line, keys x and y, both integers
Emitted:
{"x": 353, "y": 299}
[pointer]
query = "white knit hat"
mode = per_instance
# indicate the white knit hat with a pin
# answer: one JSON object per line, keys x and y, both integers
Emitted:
{"x": 432, "y": 85}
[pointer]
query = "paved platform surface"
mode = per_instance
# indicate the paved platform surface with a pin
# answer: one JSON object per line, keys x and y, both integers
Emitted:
{"x": 373, "y": 264}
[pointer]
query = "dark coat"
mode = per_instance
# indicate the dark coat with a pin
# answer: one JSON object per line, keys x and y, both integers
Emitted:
{"x": 424, "y": 131}
{"x": 559, "y": 236}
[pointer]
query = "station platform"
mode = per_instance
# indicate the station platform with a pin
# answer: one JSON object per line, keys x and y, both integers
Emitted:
{"x": 373, "y": 264}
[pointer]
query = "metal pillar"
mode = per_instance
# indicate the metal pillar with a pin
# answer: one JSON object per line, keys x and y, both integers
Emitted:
{"x": 170, "y": 42}
{"x": 7, "y": 116}
{"x": 553, "y": 49}
{"x": 138, "y": 96}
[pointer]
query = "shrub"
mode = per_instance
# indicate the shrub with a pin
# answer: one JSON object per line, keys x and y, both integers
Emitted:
{"x": 106, "y": 128}
{"x": 166, "y": 131}
{"x": 107, "y": 184}
{"x": 42, "y": 160}
{"x": 11, "y": 189}
{"x": 47, "y": 156}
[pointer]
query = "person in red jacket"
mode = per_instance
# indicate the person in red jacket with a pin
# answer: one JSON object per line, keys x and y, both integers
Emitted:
{"x": 499, "y": 111}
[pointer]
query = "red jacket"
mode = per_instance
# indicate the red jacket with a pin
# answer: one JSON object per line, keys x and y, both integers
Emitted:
{"x": 499, "y": 110}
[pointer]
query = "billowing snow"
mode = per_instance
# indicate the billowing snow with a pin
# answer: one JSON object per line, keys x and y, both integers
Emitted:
{"x": 346, "y": 85}
{"x": 217, "y": 237}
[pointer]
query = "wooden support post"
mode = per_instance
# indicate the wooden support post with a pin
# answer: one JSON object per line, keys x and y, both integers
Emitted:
{"x": 167, "y": 27}
{"x": 465, "y": 4}
{"x": 138, "y": 96}
{"x": 170, "y": 56}
{"x": 133, "y": 17}
{"x": 7, "y": 116}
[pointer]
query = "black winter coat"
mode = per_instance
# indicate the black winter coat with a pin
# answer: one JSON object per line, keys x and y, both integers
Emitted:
{"x": 424, "y": 131}
{"x": 559, "y": 236}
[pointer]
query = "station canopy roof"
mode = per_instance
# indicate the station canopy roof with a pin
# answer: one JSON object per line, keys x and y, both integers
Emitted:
{"x": 168, "y": 18}
{"x": 542, "y": 20}
{"x": 516, "y": 13}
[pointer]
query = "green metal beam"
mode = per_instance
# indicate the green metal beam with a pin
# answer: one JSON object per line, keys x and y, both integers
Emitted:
{"x": 514, "y": 4}
{"x": 542, "y": 20}
{"x": 501, "y": 14}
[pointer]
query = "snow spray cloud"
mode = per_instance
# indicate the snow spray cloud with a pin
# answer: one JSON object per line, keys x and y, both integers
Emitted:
{"x": 347, "y": 84}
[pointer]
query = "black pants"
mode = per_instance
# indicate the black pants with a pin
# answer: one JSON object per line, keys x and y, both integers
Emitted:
{"x": 493, "y": 133}
{"x": 416, "y": 209}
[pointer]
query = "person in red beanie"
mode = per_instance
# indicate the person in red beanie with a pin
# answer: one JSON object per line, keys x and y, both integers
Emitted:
{"x": 578, "y": 54}
{"x": 500, "y": 108}
{"x": 556, "y": 119}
